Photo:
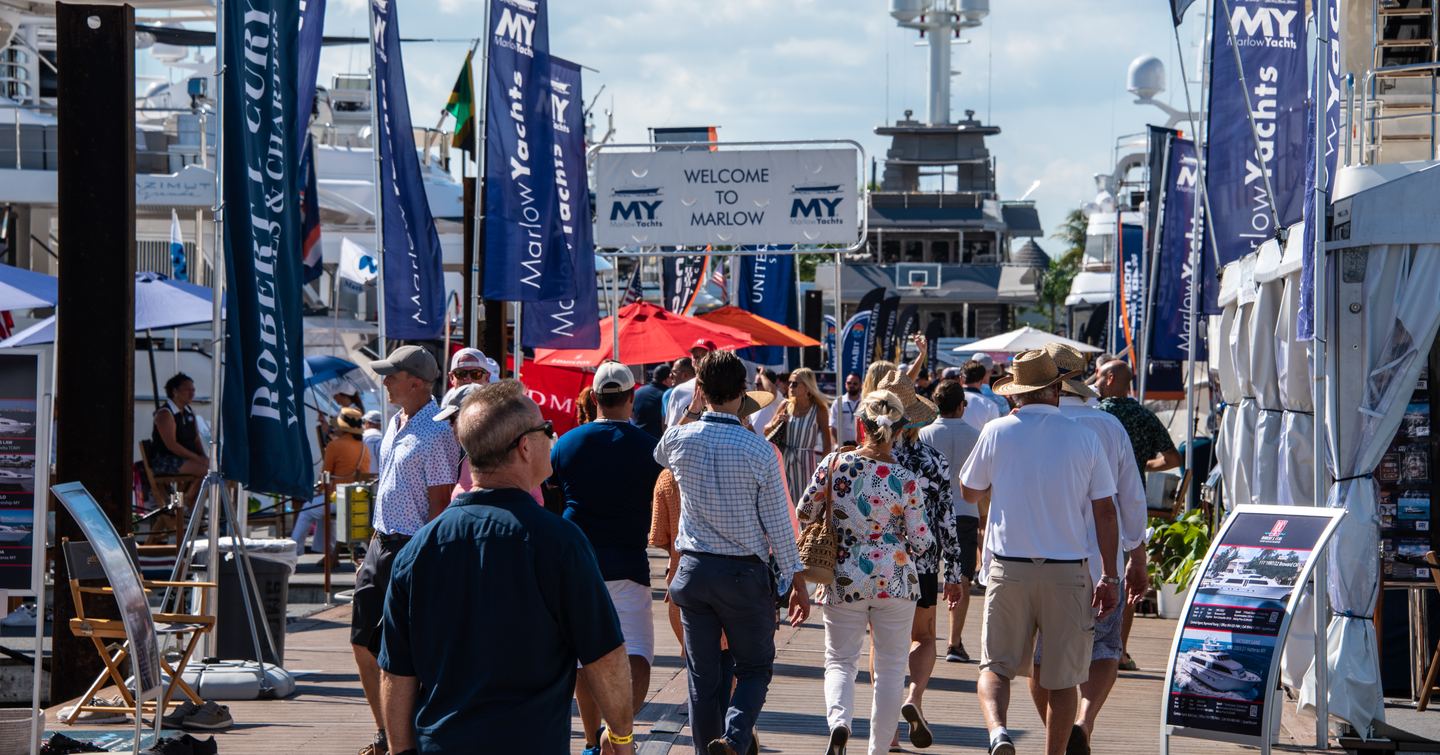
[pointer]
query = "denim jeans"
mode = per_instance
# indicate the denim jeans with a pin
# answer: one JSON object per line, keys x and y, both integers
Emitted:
{"x": 735, "y": 597}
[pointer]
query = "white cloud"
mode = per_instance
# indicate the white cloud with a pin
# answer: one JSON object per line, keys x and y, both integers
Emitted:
{"x": 1051, "y": 74}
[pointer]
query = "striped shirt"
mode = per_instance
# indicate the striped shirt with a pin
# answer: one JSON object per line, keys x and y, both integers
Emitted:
{"x": 732, "y": 491}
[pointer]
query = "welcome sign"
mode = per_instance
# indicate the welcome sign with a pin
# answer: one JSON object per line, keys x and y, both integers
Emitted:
{"x": 727, "y": 197}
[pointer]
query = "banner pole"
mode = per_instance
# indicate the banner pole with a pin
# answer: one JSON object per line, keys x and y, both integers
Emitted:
{"x": 482, "y": 106}
{"x": 1317, "y": 365}
{"x": 839, "y": 325}
{"x": 217, "y": 327}
{"x": 519, "y": 352}
{"x": 382, "y": 350}
{"x": 615, "y": 304}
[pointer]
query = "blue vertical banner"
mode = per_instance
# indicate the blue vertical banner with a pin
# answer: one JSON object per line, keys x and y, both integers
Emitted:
{"x": 264, "y": 365}
{"x": 525, "y": 253}
{"x": 1329, "y": 83}
{"x": 830, "y": 332}
{"x": 1172, "y": 307}
{"x": 855, "y": 340}
{"x": 767, "y": 288}
{"x": 870, "y": 302}
{"x": 1131, "y": 280}
{"x": 1270, "y": 36}
{"x": 574, "y": 322}
{"x": 411, "y": 257}
{"x": 311, "y": 253}
{"x": 307, "y": 68}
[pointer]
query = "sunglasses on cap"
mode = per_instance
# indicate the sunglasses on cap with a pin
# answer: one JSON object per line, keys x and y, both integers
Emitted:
{"x": 475, "y": 374}
{"x": 546, "y": 427}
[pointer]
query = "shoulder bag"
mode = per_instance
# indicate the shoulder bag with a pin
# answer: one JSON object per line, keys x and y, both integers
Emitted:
{"x": 818, "y": 541}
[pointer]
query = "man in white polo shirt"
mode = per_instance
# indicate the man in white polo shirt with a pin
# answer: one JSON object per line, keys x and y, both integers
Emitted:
{"x": 1053, "y": 487}
{"x": 1130, "y": 508}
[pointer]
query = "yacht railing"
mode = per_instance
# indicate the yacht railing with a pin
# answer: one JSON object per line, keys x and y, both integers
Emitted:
{"x": 1372, "y": 108}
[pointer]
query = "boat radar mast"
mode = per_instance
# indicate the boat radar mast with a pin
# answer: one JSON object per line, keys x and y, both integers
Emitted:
{"x": 940, "y": 21}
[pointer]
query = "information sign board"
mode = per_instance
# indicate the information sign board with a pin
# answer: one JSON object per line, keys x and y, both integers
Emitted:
{"x": 22, "y": 428}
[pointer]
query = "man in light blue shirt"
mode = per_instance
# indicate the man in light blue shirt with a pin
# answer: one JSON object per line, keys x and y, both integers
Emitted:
{"x": 733, "y": 516}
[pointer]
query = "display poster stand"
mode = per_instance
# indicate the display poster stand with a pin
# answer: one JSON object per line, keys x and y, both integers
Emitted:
{"x": 1225, "y": 659}
{"x": 125, "y": 583}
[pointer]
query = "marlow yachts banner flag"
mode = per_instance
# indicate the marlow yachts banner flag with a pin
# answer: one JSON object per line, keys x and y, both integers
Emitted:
{"x": 1172, "y": 308}
{"x": 525, "y": 255}
{"x": 574, "y": 322}
{"x": 411, "y": 256}
{"x": 1270, "y": 35}
{"x": 264, "y": 368}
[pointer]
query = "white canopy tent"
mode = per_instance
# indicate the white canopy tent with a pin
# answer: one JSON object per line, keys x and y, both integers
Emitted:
{"x": 1021, "y": 339}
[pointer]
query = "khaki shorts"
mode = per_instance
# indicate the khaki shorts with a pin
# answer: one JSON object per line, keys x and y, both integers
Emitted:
{"x": 1021, "y": 598}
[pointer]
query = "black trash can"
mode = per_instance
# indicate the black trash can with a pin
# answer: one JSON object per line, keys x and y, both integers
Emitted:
{"x": 232, "y": 636}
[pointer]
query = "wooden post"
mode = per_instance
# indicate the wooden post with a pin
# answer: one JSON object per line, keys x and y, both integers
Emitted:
{"x": 96, "y": 327}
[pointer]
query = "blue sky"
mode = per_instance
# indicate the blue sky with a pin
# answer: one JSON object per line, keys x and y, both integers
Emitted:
{"x": 1050, "y": 73}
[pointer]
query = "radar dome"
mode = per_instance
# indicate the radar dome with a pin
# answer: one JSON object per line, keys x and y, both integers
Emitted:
{"x": 905, "y": 11}
{"x": 1146, "y": 77}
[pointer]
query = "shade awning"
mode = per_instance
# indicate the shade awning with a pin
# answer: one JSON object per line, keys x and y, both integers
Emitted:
{"x": 762, "y": 331}
{"x": 1022, "y": 339}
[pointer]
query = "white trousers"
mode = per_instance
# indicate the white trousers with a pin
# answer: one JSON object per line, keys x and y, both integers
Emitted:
{"x": 889, "y": 620}
{"x": 313, "y": 513}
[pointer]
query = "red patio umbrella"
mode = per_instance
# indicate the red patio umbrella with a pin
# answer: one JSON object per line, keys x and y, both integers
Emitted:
{"x": 762, "y": 331}
{"x": 648, "y": 334}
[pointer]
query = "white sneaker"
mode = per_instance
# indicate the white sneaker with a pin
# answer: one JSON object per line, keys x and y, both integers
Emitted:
{"x": 24, "y": 616}
{"x": 99, "y": 716}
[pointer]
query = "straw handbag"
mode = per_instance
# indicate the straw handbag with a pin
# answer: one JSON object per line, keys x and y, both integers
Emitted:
{"x": 819, "y": 542}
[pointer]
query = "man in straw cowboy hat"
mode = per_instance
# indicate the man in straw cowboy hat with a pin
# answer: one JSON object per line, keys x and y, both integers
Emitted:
{"x": 932, "y": 472}
{"x": 1049, "y": 484}
{"x": 1130, "y": 503}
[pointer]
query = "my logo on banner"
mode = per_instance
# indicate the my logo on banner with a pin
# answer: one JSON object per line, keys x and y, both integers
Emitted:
{"x": 1270, "y": 37}
{"x": 572, "y": 323}
{"x": 414, "y": 282}
{"x": 264, "y": 369}
{"x": 526, "y": 258}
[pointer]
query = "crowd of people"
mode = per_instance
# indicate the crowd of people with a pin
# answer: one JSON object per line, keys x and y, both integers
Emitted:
{"x": 509, "y": 572}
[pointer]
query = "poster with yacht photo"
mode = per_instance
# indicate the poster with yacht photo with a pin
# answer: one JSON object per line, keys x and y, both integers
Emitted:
{"x": 20, "y": 428}
{"x": 1225, "y": 653}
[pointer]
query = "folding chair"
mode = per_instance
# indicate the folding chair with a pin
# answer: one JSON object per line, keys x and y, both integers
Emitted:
{"x": 1434, "y": 669}
{"x": 83, "y": 566}
{"x": 162, "y": 487}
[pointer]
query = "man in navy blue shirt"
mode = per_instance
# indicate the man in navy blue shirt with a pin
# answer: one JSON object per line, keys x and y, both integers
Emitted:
{"x": 494, "y": 602}
{"x": 606, "y": 470}
{"x": 649, "y": 414}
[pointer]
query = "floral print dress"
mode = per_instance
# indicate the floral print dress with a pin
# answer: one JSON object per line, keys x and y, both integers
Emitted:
{"x": 880, "y": 522}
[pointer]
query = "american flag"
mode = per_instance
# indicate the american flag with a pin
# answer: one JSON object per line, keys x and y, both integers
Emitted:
{"x": 633, "y": 290}
{"x": 717, "y": 276}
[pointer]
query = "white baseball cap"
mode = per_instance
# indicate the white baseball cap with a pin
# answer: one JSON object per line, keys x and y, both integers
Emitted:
{"x": 469, "y": 359}
{"x": 613, "y": 377}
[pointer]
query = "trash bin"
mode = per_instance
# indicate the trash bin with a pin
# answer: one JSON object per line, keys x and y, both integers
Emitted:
{"x": 273, "y": 561}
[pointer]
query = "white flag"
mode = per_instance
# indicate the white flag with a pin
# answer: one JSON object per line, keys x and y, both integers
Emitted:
{"x": 357, "y": 264}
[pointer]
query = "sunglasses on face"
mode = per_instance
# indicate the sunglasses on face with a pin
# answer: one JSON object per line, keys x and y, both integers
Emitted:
{"x": 546, "y": 427}
{"x": 471, "y": 374}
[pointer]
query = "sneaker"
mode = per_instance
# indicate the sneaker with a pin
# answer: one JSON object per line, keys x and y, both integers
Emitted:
{"x": 59, "y": 744}
{"x": 204, "y": 746}
{"x": 957, "y": 654}
{"x": 378, "y": 746}
{"x": 1128, "y": 664}
{"x": 920, "y": 735}
{"x": 209, "y": 717}
{"x": 99, "y": 716}
{"x": 839, "y": 736}
{"x": 1002, "y": 745}
{"x": 1079, "y": 744}
{"x": 170, "y": 746}
{"x": 175, "y": 719}
{"x": 21, "y": 617}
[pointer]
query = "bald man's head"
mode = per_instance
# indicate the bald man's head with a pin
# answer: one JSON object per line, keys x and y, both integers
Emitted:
{"x": 1114, "y": 380}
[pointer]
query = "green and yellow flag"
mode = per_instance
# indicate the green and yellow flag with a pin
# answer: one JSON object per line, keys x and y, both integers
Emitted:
{"x": 462, "y": 105}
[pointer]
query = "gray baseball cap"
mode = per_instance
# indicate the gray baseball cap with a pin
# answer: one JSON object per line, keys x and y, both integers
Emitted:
{"x": 454, "y": 400}
{"x": 411, "y": 359}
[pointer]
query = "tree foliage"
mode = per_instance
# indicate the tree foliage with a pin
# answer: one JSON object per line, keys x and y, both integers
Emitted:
{"x": 1055, "y": 284}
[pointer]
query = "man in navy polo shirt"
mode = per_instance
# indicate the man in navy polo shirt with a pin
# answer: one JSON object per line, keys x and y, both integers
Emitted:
{"x": 607, "y": 470}
{"x": 493, "y": 604}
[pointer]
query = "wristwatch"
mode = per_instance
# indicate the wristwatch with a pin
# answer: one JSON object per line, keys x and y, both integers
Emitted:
{"x": 1106, "y": 579}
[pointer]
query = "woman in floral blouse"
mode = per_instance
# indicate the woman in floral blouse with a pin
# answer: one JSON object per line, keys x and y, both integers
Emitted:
{"x": 881, "y": 527}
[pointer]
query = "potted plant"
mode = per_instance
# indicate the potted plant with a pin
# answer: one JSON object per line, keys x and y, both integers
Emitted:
{"x": 1176, "y": 549}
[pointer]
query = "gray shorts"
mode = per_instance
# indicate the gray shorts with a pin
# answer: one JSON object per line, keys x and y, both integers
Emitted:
{"x": 1108, "y": 645}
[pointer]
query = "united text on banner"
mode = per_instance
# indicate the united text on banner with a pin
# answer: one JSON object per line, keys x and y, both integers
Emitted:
{"x": 1270, "y": 37}
{"x": 574, "y": 322}
{"x": 414, "y": 283}
{"x": 1172, "y": 307}
{"x": 525, "y": 256}
{"x": 264, "y": 371}
{"x": 767, "y": 288}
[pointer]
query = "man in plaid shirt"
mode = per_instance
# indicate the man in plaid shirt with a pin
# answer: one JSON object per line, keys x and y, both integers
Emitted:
{"x": 733, "y": 516}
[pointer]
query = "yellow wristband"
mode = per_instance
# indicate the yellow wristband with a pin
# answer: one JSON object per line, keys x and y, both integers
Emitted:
{"x": 618, "y": 740}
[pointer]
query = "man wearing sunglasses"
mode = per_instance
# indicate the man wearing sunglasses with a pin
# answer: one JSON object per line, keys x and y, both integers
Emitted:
{"x": 418, "y": 463}
{"x": 494, "y": 604}
{"x": 469, "y": 366}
